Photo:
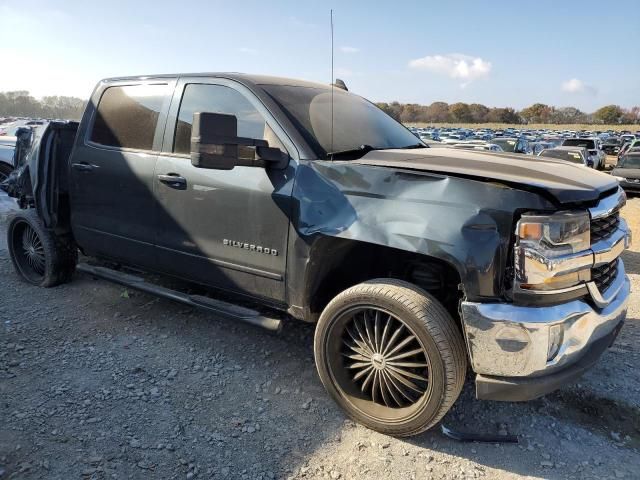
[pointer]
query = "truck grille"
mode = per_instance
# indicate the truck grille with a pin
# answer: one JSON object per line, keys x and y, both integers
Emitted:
{"x": 604, "y": 275}
{"x": 603, "y": 227}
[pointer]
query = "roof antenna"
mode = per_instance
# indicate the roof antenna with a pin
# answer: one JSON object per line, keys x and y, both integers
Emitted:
{"x": 332, "y": 82}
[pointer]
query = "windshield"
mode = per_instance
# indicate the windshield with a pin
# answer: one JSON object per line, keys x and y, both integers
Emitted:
{"x": 356, "y": 121}
{"x": 630, "y": 161}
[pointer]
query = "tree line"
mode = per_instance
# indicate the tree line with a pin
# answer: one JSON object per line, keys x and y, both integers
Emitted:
{"x": 442, "y": 112}
{"x": 22, "y": 104}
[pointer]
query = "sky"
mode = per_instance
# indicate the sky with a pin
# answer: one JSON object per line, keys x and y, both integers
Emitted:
{"x": 582, "y": 53}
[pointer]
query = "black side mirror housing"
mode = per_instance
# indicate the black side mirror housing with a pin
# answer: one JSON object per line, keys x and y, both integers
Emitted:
{"x": 215, "y": 144}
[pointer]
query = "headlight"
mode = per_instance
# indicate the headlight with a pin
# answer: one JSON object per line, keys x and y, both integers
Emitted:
{"x": 553, "y": 251}
{"x": 556, "y": 234}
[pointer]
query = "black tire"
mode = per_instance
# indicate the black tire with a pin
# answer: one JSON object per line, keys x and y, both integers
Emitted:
{"x": 440, "y": 368}
{"x": 5, "y": 170}
{"x": 41, "y": 257}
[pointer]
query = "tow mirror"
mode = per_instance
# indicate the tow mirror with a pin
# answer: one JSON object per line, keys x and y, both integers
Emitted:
{"x": 215, "y": 144}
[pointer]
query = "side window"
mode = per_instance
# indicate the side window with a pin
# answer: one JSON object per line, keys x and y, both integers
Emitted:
{"x": 219, "y": 99}
{"x": 127, "y": 116}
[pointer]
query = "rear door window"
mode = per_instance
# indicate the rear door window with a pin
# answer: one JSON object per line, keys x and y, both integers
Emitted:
{"x": 127, "y": 116}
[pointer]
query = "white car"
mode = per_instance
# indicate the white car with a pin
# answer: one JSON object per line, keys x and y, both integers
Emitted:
{"x": 593, "y": 145}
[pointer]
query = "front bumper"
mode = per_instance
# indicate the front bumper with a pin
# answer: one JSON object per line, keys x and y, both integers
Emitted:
{"x": 509, "y": 344}
{"x": 513, "y": 389}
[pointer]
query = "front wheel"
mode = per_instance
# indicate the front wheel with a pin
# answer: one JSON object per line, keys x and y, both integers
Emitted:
{"x": 40, "y": 256}
{"x": 391, "y": 356}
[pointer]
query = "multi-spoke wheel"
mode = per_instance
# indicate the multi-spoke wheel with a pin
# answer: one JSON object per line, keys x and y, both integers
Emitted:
{"x": 385, "y": 358}
{"x": 40, "y": 256}
{"x": 391, "y": 356}
{"x": 32, "y": 252}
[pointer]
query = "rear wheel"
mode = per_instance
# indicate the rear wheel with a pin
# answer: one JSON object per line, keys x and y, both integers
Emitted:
{"x": 391, "y": 356}
{"x": 38, "y": 255}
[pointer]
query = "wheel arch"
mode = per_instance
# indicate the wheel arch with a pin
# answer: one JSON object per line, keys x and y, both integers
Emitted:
{"x": 334, "y": 264}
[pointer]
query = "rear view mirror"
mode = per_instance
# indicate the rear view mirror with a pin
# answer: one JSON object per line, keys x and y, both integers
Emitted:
{"x": 215, "y": 144}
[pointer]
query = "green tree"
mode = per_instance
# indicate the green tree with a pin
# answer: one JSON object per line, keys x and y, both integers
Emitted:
{"x": 537, "y": 113}
{"x": 631, "y": 116}
{"x": 478, "y": 113}
{"x": 503, "y": 115}
{"x": 609, "y": 114}
{"x": 22, "y": 104}
{"x": 438, "y": 112}
{"x": 460, "y": 112}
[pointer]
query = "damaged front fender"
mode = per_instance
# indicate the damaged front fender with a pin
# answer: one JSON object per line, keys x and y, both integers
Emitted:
{"x": 466, "y": 223}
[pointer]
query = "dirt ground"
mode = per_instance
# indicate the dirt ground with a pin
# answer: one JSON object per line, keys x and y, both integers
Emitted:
{"x": 99, "y": 382}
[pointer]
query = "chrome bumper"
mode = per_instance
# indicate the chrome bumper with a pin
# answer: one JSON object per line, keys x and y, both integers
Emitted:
{"x": 507, "y": 340}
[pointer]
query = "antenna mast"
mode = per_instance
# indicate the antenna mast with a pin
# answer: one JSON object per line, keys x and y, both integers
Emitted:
{"x": 332, "y": 81}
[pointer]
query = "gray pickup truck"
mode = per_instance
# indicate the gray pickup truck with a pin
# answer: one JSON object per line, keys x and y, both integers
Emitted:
{"x": 288, "y": 199}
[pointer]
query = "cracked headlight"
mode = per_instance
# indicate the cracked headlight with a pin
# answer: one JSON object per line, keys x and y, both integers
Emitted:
{"x": 552, "y": 251}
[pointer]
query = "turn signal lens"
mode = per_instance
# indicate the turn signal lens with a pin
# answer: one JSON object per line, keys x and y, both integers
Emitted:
{"x": 530, "y": 231}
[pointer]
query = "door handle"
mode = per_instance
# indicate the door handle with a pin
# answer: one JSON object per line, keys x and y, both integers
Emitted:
{"x": 84, "y": 166}
{"x": 173, "y": 180}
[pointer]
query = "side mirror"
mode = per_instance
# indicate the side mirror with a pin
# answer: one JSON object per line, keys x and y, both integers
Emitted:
{"x": 215, "y": 144}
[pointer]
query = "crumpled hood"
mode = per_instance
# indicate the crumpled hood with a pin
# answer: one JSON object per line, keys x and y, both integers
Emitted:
{"x": 566, "y": 182}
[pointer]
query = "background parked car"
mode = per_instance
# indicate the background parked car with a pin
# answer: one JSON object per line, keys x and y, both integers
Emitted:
{"x": 569, "y": 154}
{"x": 490, "y": 147}
{"x": 7, "y": 148}
{"x": 512, "y": 144}
{"x": 628, "y": 172}
{"x": 611, "y": 146}
{"x": 593, "y": 145}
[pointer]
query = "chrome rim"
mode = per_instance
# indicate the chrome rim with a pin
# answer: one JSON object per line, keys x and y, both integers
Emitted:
{"x": 379, "y": 364}
{"x": 28, "y": 252}
{"x": 33, "y": 250}
{"x": 385, "y": 359}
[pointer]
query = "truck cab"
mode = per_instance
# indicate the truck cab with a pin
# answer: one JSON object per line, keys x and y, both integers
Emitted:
{"x": 291, "y": 199}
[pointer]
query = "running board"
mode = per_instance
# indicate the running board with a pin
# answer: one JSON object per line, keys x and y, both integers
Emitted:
{"x": 223, "y": 309}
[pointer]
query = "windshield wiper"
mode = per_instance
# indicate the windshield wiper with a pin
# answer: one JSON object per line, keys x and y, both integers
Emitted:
{"x": 415, "y": 145}
{"x": 362, "y": 150}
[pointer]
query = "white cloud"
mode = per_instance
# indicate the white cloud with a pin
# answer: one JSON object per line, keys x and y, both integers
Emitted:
{"x": 346, "y": 49}
{"x": 454, "y": 65}
{"x": 578, "y": 86}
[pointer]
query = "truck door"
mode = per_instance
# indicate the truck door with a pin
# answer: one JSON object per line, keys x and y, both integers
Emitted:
{"x": 113, "y": 171}
{"x": 224, "y": 228}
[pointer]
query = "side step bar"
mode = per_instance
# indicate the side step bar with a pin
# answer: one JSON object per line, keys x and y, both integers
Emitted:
{"x": 223, "y": 309}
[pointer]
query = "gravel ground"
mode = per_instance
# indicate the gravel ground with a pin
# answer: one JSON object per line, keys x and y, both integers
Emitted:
{"x": 100, "y": 382}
